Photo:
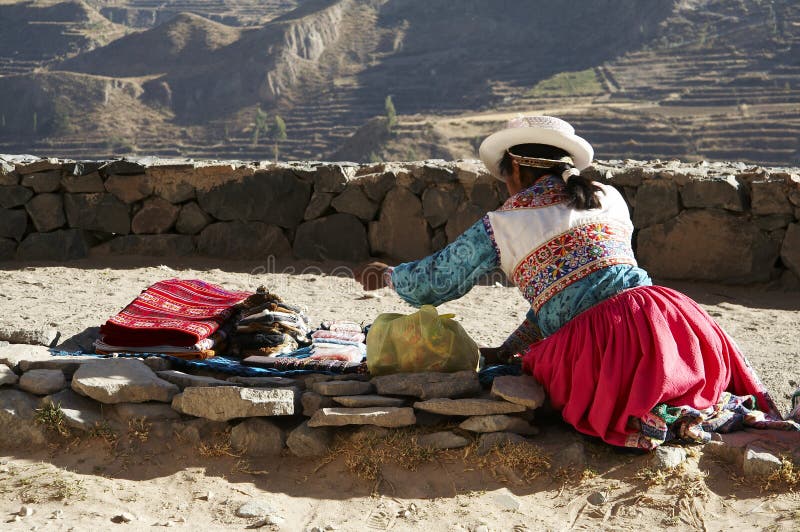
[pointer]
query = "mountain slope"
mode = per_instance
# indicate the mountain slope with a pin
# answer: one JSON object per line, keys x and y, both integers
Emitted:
{"x": 641, "y": 78}
{"x": 180, "y": 43}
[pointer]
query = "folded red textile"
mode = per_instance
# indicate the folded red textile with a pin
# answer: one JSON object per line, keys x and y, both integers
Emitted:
{"x": 176, "y": 312}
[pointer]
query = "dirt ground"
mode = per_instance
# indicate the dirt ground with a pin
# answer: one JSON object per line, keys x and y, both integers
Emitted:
{"x": 369, "y": 483}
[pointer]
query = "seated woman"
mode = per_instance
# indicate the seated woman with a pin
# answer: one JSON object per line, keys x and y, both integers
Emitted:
{"x": 623, "y": 360}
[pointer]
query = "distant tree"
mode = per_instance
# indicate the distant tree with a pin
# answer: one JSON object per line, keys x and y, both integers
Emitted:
{"x": 260, "y": 125}
{"x": 278, "y": 133}
{"x": 274, "y": 129}
{"x": 391, "y": 113}
{"x": 61, "y": 122}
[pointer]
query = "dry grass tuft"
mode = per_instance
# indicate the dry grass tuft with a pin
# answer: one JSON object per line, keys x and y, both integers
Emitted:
{"x": 103, "y": 431}
{"x": 526, "y": 460}
{"x": 570, "y": 476}
{"x": 216, "y": 449}
{"x": 679, "y": 481}
{"x": 653, "y": 477}
{"x": 139, "y": 429}
{"x": 41, "y": 483}
{"x": 364, "y": 455}
{"x": 244, "y": 466}
{"x": 787, "y": 477}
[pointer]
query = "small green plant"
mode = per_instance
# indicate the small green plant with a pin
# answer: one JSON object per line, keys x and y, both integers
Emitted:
{"x": 52, "y": 417}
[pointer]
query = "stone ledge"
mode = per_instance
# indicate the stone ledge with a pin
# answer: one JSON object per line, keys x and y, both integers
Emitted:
{"x": 60, "y": 210}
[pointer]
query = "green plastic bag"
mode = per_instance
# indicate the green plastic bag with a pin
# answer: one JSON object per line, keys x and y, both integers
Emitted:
{"x": 422, "y": 341}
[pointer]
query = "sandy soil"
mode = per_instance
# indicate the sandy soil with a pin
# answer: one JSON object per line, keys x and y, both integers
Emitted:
{"x": 160, "y": 482}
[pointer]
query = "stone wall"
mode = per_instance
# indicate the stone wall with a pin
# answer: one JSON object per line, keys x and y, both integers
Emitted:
{"x": 705, "y": 221}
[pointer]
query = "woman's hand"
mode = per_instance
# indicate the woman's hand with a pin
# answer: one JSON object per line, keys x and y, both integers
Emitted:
{"x": 494, "y": 355}
{"x": 371, "y": 276}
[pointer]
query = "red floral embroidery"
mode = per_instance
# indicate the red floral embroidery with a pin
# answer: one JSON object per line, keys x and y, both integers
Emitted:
{"x": 569, "y": 257}
{"x": 547, "y": 191}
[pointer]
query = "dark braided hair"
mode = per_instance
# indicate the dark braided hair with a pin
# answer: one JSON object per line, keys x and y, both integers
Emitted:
{"x": 582, "y": 191}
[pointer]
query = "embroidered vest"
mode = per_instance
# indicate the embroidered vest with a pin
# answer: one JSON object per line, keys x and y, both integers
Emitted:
{"x": 545, "y": 245}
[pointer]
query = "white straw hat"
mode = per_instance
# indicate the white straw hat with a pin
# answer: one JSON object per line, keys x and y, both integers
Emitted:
{"x": 535, "y": 130}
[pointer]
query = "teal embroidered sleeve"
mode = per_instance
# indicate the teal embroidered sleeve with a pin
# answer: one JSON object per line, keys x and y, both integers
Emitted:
{"x": 450, "y": 273}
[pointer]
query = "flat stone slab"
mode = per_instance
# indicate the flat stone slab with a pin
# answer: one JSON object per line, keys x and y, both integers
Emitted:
{"x": 498, "y": 423}
{"x": 44, "y": 336}
{"x": 7, "y": 375}
{"x": 443, "y": 440}
{"x": 151, "y": 411}
{"x": 523, "y": 390}
{"x": 79, "y": 412}
{"x": 43, "y": 381}
{"x": 121, "y": 381}
{"x": 429, "y": 385}
{"x": 184, "y": 380}
{"x": 389, "y": 416}
{"x": 362, "y": 401}
{"x": 263, "y": 382}
{"x": 17, "y": 426}
{"x": 468, "y": 407}
{"x": 24, "y": 357}
{"x": 12, "y": 354}
{"x": 67, "y": 364}
{"x": 221, "y": 403}
{"x": 340, "y": 388}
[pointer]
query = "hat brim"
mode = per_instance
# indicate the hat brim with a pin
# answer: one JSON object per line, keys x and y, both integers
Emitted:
{"x": 495, "y": 145}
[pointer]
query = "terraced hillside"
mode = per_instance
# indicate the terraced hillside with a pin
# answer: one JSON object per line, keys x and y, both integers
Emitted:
{"x": 721, "y": 82}
{"x": 151, "y": 13}
{"x": 36, "y": 34}
{"x": 691, "y": 79}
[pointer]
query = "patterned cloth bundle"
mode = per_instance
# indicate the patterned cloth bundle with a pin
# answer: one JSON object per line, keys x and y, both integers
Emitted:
{"x": 192, "y": 319}
{"x": 341, "y": 340}
{"x": 267, "y": 325}
{"x": 336, "y": 347}
{"x": 179, "y": 317}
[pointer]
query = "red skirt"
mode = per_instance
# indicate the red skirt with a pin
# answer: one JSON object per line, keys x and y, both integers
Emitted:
{"x": 645, "y": 346}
